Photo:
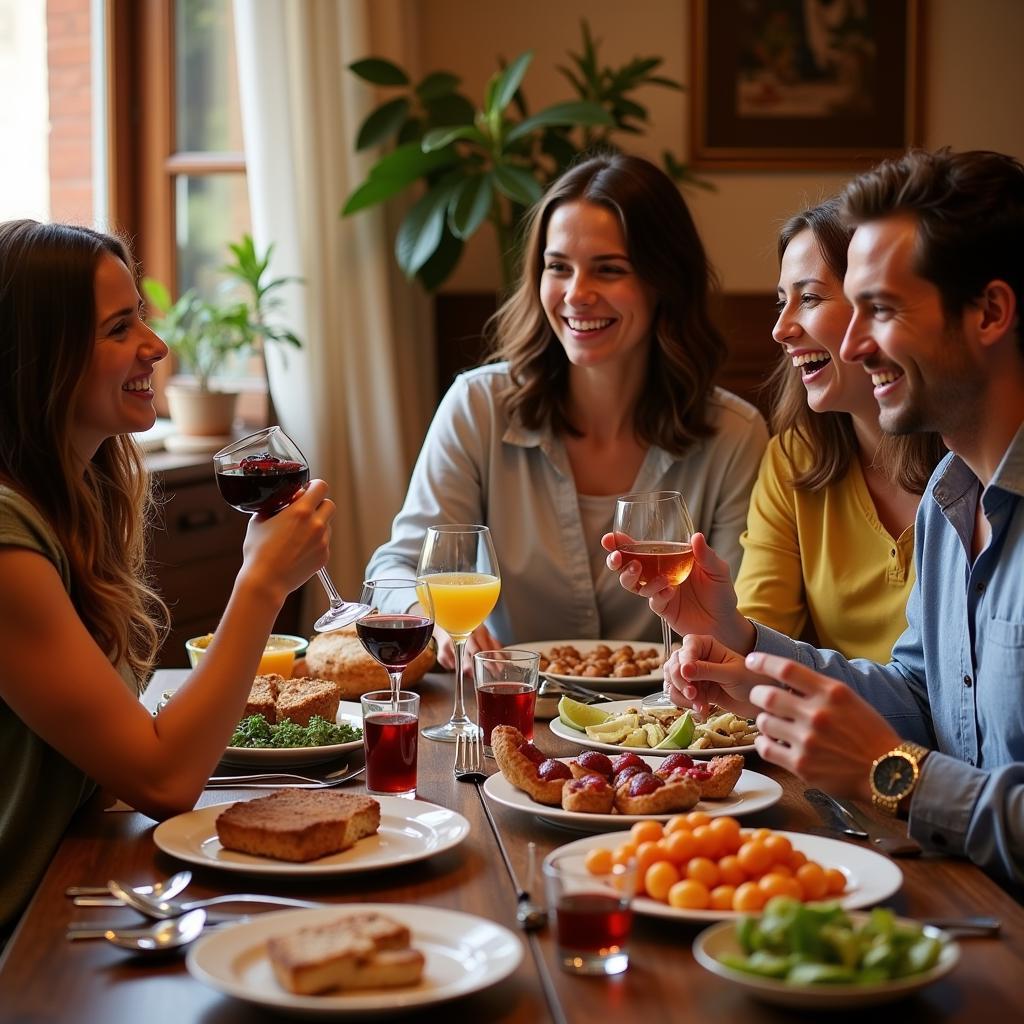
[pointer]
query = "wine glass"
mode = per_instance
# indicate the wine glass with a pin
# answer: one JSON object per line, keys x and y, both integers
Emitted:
{"x": 654, "y": 529}
{"x": 459, "y": 564}
{"x": 395, "y": 633}
{"x": 264, "y": 473}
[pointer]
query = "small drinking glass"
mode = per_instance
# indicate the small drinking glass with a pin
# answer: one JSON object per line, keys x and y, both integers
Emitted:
{"x": 264, "y": 473}
{"x": 390, "y": 735}
{"x": 654, "y": 528}
{"x": 592, "y": 913}
{"x": 506, "y": 690}
{"x": 396, "y": 638}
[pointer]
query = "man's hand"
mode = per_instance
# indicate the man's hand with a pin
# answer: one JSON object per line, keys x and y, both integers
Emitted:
{"x": 816, "y": 726}
{"x": 704, "y": 672}
{"x": 705, "y": 602}
{"x": 481, "y": 639}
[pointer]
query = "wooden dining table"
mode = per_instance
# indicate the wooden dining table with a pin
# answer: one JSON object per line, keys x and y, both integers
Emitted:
{"x": 44, "y": 977}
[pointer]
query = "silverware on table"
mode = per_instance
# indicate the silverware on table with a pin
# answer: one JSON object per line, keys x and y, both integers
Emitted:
{"x": 833, "y": 814}
{"x": 163, "y": 908}
{"x": 469, "y": 757}
{"x": 583, "y": 694}
{"x": 280, "y": 780}
{"x": 966, "y": 927}
{"x": 158, "y": 937}
{"x": 891, "y": 844}
{"x": 168, "y": 888}
{"x": 530, "y": 914}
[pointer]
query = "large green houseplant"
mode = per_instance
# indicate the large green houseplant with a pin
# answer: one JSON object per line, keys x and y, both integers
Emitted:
{"x": 203, "y": 333}
{"x": 489, "y": 164}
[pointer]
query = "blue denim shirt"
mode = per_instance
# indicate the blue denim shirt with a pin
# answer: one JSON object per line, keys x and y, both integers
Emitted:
{"x": 956, "y": 679}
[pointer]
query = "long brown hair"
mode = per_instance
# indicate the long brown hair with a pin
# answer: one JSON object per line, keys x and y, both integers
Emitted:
{"x": 666, "y": 253}
{"x": 47, "y": 336}
{"x": 829, "y": 436}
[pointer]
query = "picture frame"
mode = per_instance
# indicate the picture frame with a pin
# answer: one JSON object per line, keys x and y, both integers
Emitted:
{"x": 789, "y": 84}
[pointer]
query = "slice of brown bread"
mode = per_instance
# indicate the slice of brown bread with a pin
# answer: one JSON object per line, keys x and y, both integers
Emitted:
{"x": 339, "y": 655}
{"x": 263, "y": 697}
{"x": 358, "y": 951}
{"x": 301, "y": 699}
{"x": 298, "y": 824}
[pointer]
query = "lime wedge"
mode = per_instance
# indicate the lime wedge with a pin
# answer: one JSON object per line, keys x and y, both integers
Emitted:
{"x": 680, "y": 735}
{"x": 579, "y": 716}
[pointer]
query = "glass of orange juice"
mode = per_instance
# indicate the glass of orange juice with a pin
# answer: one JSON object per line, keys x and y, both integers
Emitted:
{"x": 458, "y": 562}
{"x": 279, "y": 654}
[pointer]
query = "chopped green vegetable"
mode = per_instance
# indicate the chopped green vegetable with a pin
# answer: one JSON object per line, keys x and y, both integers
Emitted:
{"x": 818, "y": 944}
{"x": 256, "y": 731}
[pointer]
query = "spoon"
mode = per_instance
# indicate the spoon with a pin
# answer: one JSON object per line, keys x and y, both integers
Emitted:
{"x": 154, "y": 938}
{"x": 162, "y": 909}
{"x": 166, "y": 889}
{"x": 530, "y": 914}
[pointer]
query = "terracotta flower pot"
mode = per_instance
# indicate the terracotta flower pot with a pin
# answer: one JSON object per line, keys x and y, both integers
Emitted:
{"x": 201, "y": 413}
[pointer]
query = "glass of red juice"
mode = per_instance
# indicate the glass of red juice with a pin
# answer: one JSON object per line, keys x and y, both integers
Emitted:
{"x": 592, "y": 913}
{"x": 506, "y": 690}
{"x": 390, "y": 733}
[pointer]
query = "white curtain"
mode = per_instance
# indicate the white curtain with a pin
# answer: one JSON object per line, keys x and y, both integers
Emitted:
{"x": 357, "y": 396}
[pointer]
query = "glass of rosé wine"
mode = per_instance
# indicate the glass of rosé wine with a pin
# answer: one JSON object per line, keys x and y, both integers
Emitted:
{"x": 654, "y": 529}
{"x": 264, "y": 473}
{"x": 506, "y": 690}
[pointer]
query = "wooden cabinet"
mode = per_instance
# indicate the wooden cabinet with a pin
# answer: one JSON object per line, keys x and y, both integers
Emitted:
{"x": 196, "y": 552}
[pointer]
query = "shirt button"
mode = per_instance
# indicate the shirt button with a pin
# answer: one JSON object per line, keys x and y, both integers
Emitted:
{"x": 980, "y": 588}
{"x": 893, "y": 552}
{"x": 968, "y": 682}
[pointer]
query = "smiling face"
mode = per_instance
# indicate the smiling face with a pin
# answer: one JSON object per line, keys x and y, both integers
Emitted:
{"x": 115, "y": 395}
{"x": 813, "y": 317}
{"x": 599, "y": 309}
{"x": 924, "y": 374}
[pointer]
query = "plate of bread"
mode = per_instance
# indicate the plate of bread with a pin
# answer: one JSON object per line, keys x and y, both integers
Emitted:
{"x": 297, "y": 700}
{"x": 594, "y": 791}
{"x": 311, "y": 832}
{"x": 626, "y": 666}
{"x": 355, "y": 960}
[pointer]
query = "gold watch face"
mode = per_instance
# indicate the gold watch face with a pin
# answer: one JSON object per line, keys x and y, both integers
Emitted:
{"x": 894, "y": 776}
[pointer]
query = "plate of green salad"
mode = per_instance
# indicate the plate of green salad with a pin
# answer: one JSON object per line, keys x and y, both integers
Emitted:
{"x": 256, "y": 742}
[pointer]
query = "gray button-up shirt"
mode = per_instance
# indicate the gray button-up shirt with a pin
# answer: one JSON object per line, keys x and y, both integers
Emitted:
{"x": 477, "y": 467}
{"x": 956, "y": 679}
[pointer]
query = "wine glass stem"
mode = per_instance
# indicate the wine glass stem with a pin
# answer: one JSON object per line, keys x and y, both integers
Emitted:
{"x": 332, "y": 594}
{"x": 396, "y": 688}
{"x": 666, "y": 639}
{"x": 459, "y": 711}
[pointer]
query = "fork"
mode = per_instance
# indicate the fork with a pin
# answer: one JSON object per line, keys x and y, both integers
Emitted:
{"x": 335, "y": 778}
{"x": 469, "y": 757}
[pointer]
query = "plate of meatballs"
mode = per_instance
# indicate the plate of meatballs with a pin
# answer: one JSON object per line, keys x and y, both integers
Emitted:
{"x": 596, "y": 791}
{"x": 627, "y": 666}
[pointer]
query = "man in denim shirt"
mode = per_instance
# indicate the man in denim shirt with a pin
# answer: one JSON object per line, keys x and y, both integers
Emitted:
{"x": 936, "y": 278}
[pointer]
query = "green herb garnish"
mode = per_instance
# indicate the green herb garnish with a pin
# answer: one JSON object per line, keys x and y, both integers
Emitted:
{"x": 256, "y": 731}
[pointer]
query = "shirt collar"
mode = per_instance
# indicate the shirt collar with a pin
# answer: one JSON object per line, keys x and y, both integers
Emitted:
{"x": 957, "y": 478}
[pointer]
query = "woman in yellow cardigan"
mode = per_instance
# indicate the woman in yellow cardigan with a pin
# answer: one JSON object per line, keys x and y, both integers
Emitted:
{"x": 830, "y": 531}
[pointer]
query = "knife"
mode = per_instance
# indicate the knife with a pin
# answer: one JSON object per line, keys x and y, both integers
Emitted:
{"x": 894, "y": 845}
{"x": 833, "y": 814}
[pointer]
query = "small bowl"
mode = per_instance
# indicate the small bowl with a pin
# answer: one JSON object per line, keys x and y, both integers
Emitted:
{"x": 278, "y": 656}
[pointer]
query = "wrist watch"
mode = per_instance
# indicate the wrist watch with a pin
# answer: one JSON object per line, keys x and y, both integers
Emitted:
{"x": 894, "y": 775}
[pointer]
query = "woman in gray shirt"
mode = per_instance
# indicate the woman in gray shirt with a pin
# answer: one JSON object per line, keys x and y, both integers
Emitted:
{"x": 602, "y": 384}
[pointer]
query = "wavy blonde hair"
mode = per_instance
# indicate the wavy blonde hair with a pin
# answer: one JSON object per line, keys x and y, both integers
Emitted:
{"x": 47, "y": 336}
{"x": 666, "y": 252}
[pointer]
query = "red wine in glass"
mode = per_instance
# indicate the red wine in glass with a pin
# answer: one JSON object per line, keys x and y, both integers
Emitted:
{"x": 390, "y": 742}
{"x": 505, "y": 704}
{"x": 394, "y": 640}
{"x": 592, "y": 922}
{"x": 261, "y": 483}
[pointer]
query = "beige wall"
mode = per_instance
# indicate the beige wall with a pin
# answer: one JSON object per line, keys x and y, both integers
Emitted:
{"x": 974, "y": 89}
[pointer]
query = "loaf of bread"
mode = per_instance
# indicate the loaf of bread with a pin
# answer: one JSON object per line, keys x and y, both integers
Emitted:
{"x": 277, "y": 698}
{"x": 298, "y": 824}
{"x": 340, "y": 656}
{"x": 358, "y": 951}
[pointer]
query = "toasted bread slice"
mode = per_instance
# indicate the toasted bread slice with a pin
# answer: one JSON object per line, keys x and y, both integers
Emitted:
{"x": 263, "y": 697}
{"x": 298, "y": 825}
{"x": 301, "y": 699}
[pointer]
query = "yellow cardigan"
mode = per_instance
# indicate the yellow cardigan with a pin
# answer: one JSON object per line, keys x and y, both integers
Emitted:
{"x": 824, "y": 554}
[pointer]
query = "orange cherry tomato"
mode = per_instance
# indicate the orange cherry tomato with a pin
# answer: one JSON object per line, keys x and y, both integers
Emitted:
{"x": 704, "y": 870}
{"x": 659, "y": 879}
{"x": 677, "y": 823}
{"x": 695, "y": 818}
{"x": 727, "y": 831}
{"x": 779, "y": 847}
{"x": 680, "y": 846}
{"x": 812, "y": 877}
{"x": 754, "y": 857}
{"x": 598, "y": 861}
{"x": 779, "y": 885}
{"x": 689, "y": 894}
{"x": 722, "y": 897}
{"x": 730, "y": 870}
{"x": 646, "y": 832}
{"x": 748, "y": 898}
{"x": 836, "y": 881}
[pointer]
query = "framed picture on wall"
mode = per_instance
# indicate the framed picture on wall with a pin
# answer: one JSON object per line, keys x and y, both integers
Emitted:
{"x": 795, "y": 84}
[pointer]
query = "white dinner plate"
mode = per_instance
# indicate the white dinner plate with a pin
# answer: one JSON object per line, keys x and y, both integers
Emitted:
{"x": 870, "y": 877}
{"x": 616, "y": 684}
{"x": 559, "y": 728}
{"x": 720, "y": 940}
{"x": 462, "y": 954}
{"x": 409, "y": 830}
{"x": 753, "y": 792}
{"x": 349, "y": 713}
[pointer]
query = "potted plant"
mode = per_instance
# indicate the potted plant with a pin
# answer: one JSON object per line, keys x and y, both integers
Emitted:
{"x": 491, "y": 163}
{"x": 203, "y": 333}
